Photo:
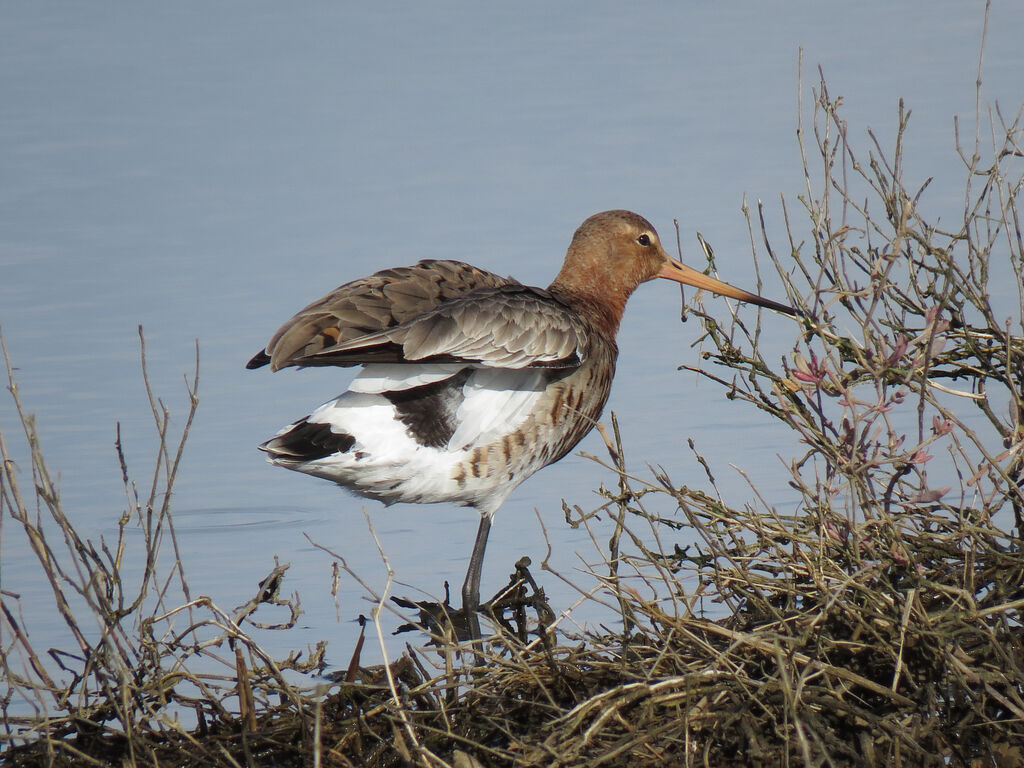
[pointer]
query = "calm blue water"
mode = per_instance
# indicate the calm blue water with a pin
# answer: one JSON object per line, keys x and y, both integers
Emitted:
{"x": 206, "y": 170}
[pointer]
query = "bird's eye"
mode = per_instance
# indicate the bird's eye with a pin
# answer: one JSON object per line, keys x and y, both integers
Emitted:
{"x": 644, "y": 240}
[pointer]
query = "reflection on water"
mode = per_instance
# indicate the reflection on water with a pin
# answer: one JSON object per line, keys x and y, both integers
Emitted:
{"x": 227, "y": 519}
{"x": 204, "y": 177}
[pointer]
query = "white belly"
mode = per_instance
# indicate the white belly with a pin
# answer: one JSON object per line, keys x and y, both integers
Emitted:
{"x": 422, "y": 449}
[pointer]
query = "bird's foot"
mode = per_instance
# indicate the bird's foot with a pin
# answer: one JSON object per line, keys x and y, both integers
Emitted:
{"x": 509, "y": 611}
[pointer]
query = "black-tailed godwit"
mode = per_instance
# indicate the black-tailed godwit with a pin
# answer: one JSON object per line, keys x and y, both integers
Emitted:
{"x": 469, "y": 382}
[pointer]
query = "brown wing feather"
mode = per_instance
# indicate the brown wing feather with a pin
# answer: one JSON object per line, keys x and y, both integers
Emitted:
{"x": 362, "y": 307}
{"x": 511, "y": 326}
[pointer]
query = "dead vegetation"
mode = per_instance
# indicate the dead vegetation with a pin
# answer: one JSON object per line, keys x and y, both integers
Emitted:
{"x": 875, "y": 622}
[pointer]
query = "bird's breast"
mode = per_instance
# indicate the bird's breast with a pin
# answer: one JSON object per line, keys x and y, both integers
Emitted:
{"x": 538, "y": 430}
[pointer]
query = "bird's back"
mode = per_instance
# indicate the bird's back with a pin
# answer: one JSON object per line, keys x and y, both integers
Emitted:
{"x": 371, "y": 304}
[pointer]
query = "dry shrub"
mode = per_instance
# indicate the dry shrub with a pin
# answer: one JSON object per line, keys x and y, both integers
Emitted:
{"x": 153, "y": 668}
{"x": 877, "y": 622}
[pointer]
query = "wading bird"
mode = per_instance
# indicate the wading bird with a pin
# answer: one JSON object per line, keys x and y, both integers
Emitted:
{"x": 470, "y": 382}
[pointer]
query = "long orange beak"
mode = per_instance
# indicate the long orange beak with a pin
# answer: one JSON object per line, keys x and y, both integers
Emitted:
{"x": 679, "y": 272}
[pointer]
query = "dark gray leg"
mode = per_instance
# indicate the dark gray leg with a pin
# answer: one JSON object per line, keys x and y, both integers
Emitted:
{"x": 471, "y": 587}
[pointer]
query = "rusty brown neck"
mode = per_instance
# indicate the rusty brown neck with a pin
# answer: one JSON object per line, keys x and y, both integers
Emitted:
{"x": 602, "y": 311}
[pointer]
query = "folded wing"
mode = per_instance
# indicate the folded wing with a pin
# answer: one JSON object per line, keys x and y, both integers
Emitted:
{"x": 435, "y": 312}
{"x": 383, "y": 300}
